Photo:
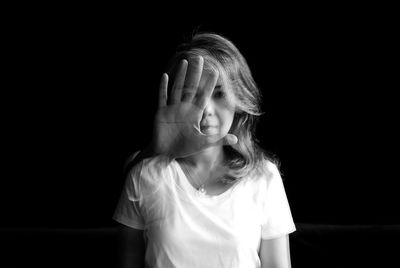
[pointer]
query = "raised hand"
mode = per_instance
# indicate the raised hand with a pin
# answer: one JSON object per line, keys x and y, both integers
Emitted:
{"x": 177, "y": 122}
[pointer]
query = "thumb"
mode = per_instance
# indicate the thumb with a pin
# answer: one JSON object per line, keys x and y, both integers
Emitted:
{"x": 217, "y": 140}
{"x": 230, "y": 139}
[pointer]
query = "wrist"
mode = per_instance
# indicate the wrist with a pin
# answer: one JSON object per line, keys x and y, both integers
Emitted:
{"x": 149, "y": 151}
{"x": 158, "y": 150}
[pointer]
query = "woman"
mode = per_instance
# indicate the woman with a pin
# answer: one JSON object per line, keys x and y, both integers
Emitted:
{"x": 204, "y": 194}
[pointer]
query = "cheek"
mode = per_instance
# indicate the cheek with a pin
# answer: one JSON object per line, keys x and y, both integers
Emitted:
{"x": 227, "y": 120}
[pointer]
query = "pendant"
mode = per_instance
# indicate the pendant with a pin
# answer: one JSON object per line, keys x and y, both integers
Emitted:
{"x": 202, "y": 190}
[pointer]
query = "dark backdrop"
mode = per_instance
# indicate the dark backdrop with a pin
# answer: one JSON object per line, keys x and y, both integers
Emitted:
{"x": 80, "y": 92}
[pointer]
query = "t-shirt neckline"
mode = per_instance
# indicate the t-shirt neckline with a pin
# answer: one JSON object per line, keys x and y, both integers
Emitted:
{"x": 196, "y": 193}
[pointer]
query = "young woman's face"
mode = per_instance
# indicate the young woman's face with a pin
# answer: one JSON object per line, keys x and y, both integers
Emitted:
{"x": 219, "y": 112}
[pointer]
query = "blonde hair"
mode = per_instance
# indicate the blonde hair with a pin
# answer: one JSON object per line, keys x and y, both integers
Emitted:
{"x": 221, "y": 54}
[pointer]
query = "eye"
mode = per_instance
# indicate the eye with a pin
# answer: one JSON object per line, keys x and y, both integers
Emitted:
{"x": 218, "y": 92}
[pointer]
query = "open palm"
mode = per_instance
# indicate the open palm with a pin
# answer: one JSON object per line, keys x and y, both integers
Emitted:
{"x": 177, "y": 122}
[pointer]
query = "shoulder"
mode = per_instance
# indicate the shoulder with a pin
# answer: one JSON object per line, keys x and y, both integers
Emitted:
{"x": 263, "y": 179}
{"x": 266, "y": 172}
{"x": 154, "y": 163}
{"x": 257, "y": 184}
{"x": 151, "y": 169}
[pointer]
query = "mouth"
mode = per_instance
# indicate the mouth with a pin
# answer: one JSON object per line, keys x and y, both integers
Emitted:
{"x": 207, "y": 127}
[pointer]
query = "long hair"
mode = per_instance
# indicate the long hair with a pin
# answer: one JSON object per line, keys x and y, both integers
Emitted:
{"x": 221, "y": 54}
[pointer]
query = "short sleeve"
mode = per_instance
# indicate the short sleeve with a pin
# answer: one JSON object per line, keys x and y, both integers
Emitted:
{"x": 128, "y": 210}
{"x": 277, "y": 218}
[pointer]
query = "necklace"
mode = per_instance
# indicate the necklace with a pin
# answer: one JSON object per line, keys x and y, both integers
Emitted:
{"x": 200, "y": 189}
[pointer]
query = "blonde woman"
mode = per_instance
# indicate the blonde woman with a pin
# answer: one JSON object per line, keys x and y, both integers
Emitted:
{"x": 203, "y": 193}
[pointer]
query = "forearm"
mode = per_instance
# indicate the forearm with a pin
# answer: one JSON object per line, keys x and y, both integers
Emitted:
{"x": 132, "y": 259}
{"x": 137, "y": 157}
{"x": 146, "y": 152}
{"x": 275, "y": 253}
{"x": 131, "y": 248}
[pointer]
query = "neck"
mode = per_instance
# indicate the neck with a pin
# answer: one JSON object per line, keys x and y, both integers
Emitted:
{"x": 208, "y": 159}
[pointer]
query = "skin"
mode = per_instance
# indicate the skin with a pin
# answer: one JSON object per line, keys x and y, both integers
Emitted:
{"x": 275, "y": 253}
{"x": 177, "y": 123}
{"x": 196, "y": 100}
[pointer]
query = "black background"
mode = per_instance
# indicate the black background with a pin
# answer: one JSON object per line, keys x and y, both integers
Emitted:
{"x": 80, "y": 90}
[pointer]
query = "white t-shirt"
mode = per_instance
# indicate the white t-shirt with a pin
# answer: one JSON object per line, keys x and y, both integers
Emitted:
{"x": 184, "y": 228}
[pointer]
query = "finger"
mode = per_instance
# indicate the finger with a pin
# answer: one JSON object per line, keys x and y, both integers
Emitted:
{"x": 230, "y": 139}
{"x": 205, "y": 94}
{"x": 217, "y": 140}
{"x": 176, "y": 93}
{"x": 162, "y": 94}
{"x": 192, "y": 79}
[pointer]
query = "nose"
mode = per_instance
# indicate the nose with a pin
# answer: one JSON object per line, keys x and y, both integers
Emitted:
{"x": 209, "y": 110}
